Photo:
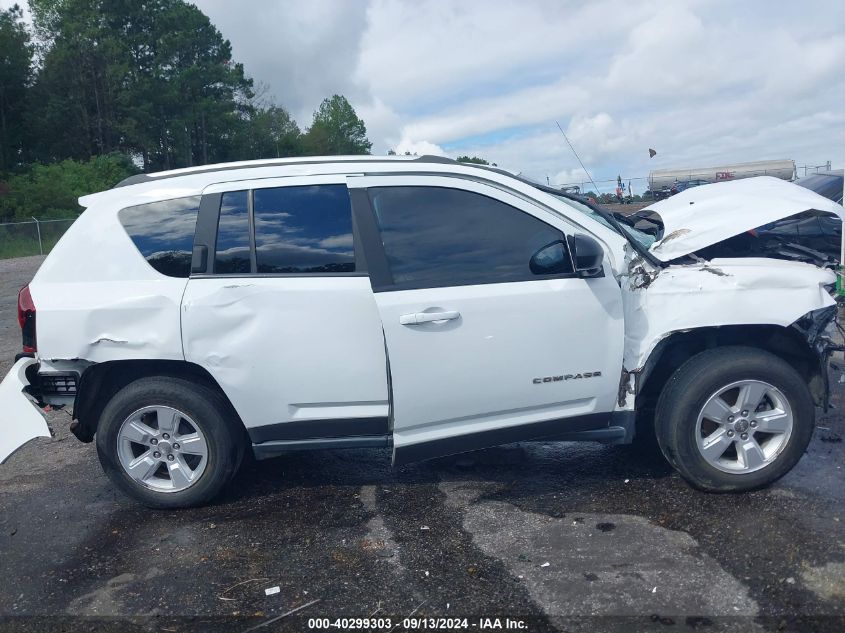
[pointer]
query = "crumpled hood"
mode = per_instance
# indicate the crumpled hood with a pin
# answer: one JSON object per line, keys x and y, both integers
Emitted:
{"x": 706, "y": 215}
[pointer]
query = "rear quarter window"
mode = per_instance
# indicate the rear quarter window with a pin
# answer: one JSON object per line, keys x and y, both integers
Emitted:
{"x": 163, "y": 232}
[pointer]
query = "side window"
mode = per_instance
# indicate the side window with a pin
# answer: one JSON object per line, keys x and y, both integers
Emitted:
{"x": 435, "y": 236}
{"x": 232, "y": 254}
{"x": 305, "y": 229}
{"x": 164, "y": 233}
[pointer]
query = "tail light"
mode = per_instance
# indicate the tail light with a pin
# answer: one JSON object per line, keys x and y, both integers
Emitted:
{"x": 26, "y": 318}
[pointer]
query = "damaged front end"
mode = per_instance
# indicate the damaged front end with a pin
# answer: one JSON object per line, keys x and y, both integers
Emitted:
{"x": 755, "y": 217}
{"x": 817, "y": 328}
{"x": 674, "y": 311}
{"x": 761, "y": 242}
{"x": 727, "y": 269}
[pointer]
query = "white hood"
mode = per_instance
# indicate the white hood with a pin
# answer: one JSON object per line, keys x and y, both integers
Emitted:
{"x": 706, "y": 215}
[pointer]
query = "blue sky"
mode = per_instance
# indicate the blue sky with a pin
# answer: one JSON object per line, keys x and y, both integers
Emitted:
{"x": 702, "y": 82}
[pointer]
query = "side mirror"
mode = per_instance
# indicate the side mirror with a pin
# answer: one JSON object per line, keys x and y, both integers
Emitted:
{"x": 587, "y": 254}
{"x": 551, "y": 259}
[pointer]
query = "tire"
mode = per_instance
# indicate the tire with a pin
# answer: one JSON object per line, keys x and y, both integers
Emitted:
{"x": 752, "y": 458}
{"x": 213, "y": 440}
{"x": 645, "y": 438}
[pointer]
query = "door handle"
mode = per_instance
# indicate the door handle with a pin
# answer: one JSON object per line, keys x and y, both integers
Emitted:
{"x": 416, "y": 318}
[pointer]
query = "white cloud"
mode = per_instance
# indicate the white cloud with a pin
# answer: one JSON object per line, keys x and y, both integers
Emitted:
{"x": 575, "y": 176}
{"x": 382, "y": 123}
{"x": 336, "y": 241}
{"x": 430, "y": 50}
{"x": 530, "y": 106}
{"x": 700, "y": 82}
{"x": 419, "y": 147}
{"x": 304, "y": 51}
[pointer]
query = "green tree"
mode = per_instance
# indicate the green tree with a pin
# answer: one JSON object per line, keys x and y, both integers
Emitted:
{"x": 72, "y": 103}
{"x": 336, "y": 130}
{"x": 51, "y": 191}
{"x": 197, "y": 92}
{"x": 472, "y": 159}
{"x": 15, "y": 74}
{"x": 268, "y": 133}
{"x": 153, "y": 79}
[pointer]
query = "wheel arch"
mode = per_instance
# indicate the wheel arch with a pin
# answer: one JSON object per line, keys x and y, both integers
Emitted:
{"x": 101, "y": 381}
{"x": 788, "y": 343}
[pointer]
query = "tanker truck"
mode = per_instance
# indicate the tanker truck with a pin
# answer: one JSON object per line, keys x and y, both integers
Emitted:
{"x": 666, "y": 178}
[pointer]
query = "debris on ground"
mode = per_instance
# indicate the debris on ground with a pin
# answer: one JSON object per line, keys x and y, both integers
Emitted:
{"x": 284, "y": 615}
{"x": 222, "y": 595}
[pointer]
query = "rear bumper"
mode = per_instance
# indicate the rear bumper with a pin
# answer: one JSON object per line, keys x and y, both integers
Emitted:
{"x": 20, "y": 418}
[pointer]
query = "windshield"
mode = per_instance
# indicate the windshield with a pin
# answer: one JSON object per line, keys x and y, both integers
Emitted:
{"x": 643, "y": 239}
{"x": 625, "y": 225}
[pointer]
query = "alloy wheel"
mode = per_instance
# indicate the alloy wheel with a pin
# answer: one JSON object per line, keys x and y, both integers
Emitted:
{"x": 744, "y": 426}
{"x": 162, "y": 448}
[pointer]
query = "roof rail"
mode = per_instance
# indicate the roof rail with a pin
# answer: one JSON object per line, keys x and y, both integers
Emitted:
{"x": 252, "y": 164}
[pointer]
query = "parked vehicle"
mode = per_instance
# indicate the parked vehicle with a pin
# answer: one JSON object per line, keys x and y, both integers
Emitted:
{"x": 662, "y": 193}
{"x": 686, "y": 184}
{"x": 819, "y": 233}
{"x": 825, "y": 183}
{"x": 193, "y": 316}
{"x": 671, "y": 189}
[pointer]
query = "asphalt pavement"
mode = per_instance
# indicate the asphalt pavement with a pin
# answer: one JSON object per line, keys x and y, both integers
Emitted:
{"x": 547, "y": 536}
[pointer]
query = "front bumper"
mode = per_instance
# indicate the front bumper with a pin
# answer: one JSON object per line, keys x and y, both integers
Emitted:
{"x": 21, "y": 420}
{"x": 817, "y": 327}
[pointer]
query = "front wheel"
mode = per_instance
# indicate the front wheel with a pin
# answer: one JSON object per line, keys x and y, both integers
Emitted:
{"x": 734, "y": 419}
{"x": 168, "y": 442}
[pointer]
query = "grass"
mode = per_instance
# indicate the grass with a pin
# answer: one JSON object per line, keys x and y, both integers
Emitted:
{"x": 21, "y": 240}
{"x": 23, "y": 247}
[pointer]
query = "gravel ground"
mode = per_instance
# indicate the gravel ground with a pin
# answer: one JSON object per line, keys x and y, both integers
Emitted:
{"x": 569, "y": 537}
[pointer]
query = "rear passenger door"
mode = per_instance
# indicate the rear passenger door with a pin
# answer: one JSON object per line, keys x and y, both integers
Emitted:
{"x": 491, "y": 335}
{"x": 280, "y": 312}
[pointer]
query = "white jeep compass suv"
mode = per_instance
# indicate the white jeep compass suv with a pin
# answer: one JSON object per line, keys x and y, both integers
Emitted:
{"x": 420, "y": 304}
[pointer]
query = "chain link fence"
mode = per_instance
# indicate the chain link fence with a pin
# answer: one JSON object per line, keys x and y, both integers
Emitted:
{"x": 32, "y": 237}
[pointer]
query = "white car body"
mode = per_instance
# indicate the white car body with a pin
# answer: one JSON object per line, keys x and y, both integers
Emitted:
{"x": 329, "y": 360}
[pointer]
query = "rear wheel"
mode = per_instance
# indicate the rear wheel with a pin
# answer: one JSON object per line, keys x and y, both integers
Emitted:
{"x": 734, "y": 419}
{"x": 168, "y": 442}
